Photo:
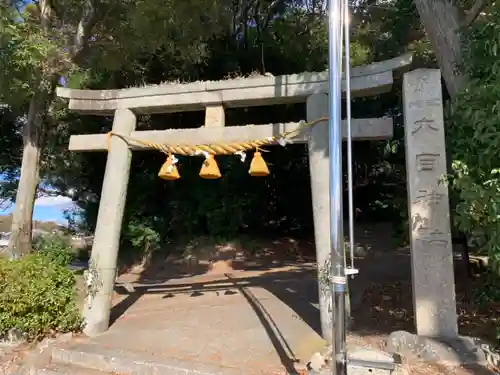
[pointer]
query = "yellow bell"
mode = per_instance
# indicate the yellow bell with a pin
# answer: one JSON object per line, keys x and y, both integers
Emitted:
{"x": 168, "y": 170}
{"x": 258, "y": 166}
{"x": 210, "y": 169}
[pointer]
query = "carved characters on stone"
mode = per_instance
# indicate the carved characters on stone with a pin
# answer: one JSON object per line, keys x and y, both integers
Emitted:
{"x": 421, "y": 104}
{"x": 424, "y": 123}
{"x": 427, "y": 161}
{"x": 428, "y": 196}
{"x": 420, "y": 223}
{"x": 421, "y": 84}
{"x": 433, "y": 238}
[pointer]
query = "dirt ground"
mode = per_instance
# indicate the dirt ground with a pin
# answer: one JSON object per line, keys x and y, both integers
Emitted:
{"x": 389, "y": 307}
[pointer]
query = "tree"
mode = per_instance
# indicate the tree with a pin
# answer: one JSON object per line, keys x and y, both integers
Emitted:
{"x": 444, "y": 22}
{"x": 48, "y": 39}
{"x": 474, "y": 139}
{"x": 43, "y": 77}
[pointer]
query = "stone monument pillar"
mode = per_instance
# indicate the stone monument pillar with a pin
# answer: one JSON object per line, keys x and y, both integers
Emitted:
{"x": 431, "y": 246}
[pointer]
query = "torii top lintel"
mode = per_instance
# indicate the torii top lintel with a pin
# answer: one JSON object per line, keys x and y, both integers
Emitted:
{"x": 366, "y": 80}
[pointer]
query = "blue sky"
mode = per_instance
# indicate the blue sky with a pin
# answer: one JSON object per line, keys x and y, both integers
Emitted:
{"x": 47, "y": 209}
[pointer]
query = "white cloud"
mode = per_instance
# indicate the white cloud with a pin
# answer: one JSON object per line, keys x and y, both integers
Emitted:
{"x": 60, "y": 220}
{"x": 57, "y": 201}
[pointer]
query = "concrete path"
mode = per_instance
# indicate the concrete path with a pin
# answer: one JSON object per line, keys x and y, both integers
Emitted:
{"x": 264, "y": 322}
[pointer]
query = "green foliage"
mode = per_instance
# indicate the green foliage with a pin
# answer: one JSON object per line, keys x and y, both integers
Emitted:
{"x": 490, "y": 290}
{"x": 142, "y": 235}
{"x": 475, "y": 139}
{"x": 54, "y": 247}
{"x": 10, "y": 150}
{"x": 37, "y": 297}
{"x": 26, "y": 52}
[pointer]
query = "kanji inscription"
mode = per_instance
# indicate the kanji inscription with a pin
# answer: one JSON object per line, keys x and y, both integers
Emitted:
{"x": 420, "y": 223}
{"x": 428, "y": 196}
{"x": 434, "y": 238}
{"x": 427, "y": 161}
{"x": 421, "y": 104}
{"x": 424, "y": 123}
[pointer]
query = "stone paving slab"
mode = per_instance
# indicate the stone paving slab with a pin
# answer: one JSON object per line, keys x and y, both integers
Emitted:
{"x": 137, "y": 363}
{"x": 64, "y": 369}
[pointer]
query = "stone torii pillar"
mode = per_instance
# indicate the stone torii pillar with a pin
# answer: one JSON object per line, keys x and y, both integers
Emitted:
{"x": 102, "y": 267}
{"x": 319, "y": 167}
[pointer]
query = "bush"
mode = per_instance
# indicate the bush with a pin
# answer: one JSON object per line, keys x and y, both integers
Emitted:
{"x": 474, "y": 137}
{"x": 56, "y": 248}
{"x": 37, "y": 296}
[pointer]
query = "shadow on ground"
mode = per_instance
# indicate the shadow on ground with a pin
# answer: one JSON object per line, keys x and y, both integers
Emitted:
{"x": 295, "y": 287}
{"x": 382, "y": 294}
{"x": 277, "y": 268}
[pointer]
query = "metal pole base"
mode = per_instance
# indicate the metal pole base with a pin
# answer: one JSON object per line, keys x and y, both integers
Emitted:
{"x": 390, "y": 366}
{"x": 359, "y": 366}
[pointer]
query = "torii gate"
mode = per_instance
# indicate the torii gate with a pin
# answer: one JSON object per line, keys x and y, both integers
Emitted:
{"x": 431, "y": 256}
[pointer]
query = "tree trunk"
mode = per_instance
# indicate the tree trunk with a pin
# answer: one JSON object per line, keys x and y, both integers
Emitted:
{"x": 33, "y": 131}
{"x": 34, "y": 128}
{"x": 442, "y": 20}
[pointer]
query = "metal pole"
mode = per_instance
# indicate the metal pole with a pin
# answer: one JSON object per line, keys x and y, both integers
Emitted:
{"x": 349, "y": 131}
{"x": 336, "y": 222}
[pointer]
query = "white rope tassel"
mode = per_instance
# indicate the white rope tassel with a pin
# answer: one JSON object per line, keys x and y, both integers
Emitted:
{"x": 171, "y": 166}
{"x": 201, "y": 152}
{"x": 282, "y": 141}
{"x": 242, "y": 155}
